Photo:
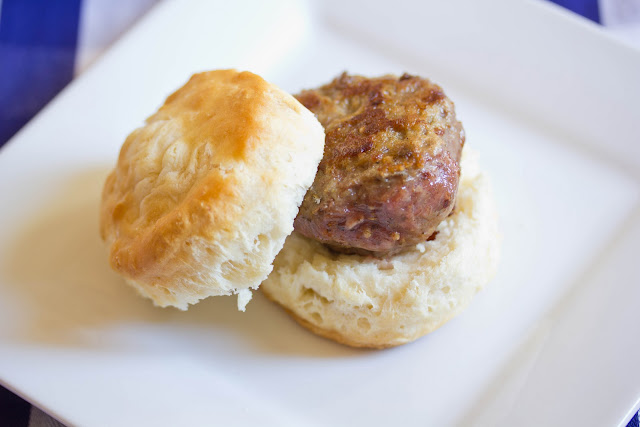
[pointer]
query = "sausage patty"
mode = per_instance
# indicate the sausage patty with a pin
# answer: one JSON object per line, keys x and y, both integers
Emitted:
{"x": 390, "y": 169}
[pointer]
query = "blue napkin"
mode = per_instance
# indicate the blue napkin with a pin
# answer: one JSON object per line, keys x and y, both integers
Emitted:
{"x": 38, "y": 41}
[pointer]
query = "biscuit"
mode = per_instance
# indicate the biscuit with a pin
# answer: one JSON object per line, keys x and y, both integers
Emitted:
{"x": 204, "y": 194}
{"x": 372, "y": 302}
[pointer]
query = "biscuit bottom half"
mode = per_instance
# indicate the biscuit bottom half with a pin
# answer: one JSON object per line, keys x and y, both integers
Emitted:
{"x": 370, "y": 302}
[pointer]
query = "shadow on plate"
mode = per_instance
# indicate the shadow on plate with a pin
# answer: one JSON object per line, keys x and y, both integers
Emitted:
{"x": 71, "y": 297}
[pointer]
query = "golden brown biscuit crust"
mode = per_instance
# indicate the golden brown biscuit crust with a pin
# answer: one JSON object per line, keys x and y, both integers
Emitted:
{"x": 203, "y": 195}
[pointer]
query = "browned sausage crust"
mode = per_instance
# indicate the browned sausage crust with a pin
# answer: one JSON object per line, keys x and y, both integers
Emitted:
{"x": 390, "y": 169}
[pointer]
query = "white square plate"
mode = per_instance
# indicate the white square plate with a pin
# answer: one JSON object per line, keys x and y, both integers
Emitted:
{"x": 550, "y": 103}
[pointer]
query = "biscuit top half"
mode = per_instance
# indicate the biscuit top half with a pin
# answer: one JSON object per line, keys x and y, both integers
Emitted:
{"x": 204, "y": 194}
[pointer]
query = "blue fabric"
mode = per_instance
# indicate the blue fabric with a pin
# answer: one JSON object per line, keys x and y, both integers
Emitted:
{"x": 634, "y": 421}
{"x": 14, "y": 412}
{"x": 38, "y": 41}
{"x": 587, "y": 8}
